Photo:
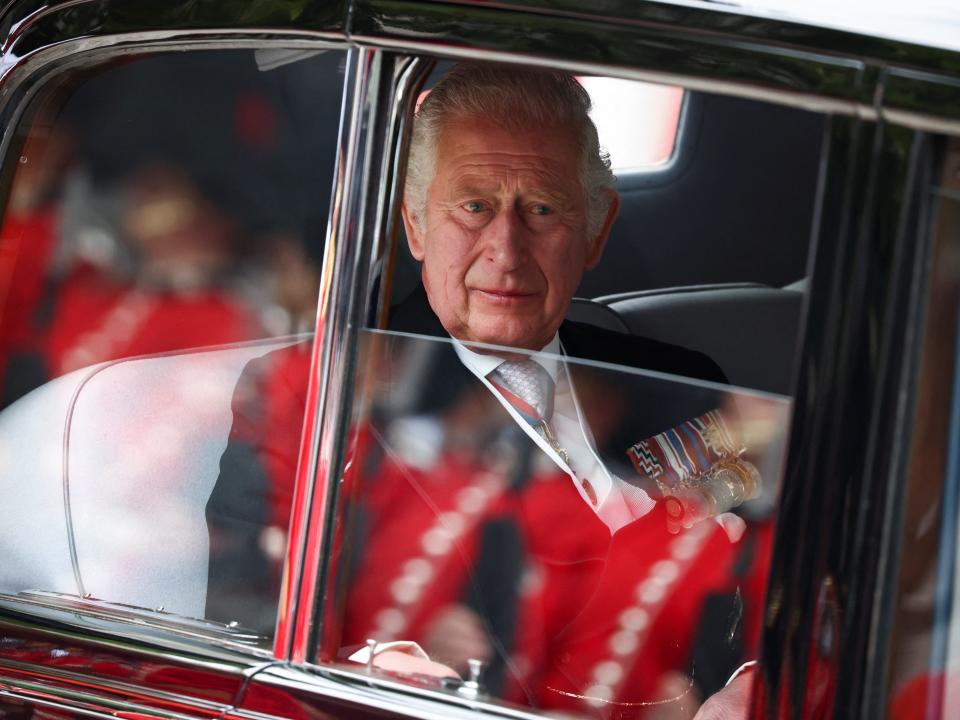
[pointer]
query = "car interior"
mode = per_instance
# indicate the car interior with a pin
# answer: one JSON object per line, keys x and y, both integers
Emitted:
{"x": 722, "y": 273}
{"x": 710, "y": 250}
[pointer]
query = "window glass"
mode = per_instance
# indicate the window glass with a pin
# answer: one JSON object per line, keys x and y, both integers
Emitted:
{"x": 612, "y": 585}
{"x": 593, "y": 527}
{"x": 637, "y": 121}
{"x": 925, "y": 651}
{"x": 163, "y": 231}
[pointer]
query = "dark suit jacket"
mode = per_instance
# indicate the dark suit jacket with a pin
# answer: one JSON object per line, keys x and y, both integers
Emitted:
{"x": 653, "y": 403}
{"x": 581, "y": 341}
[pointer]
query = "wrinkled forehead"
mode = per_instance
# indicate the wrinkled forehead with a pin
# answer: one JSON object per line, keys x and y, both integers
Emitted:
{"x": 518, "y": 122}
{"x": 470, "y": 138}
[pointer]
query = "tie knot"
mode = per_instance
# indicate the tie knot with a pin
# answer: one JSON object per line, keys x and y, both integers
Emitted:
{"x": 527, "y": 380}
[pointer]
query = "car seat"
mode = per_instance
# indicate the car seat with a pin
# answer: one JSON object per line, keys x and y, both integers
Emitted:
{"x": 750, "y": 330}
{"x": 105, "y": 474}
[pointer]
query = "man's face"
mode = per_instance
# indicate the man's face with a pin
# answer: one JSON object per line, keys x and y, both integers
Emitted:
{"x": 504, "y": 241}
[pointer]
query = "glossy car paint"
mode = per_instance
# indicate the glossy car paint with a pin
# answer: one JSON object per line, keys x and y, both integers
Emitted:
{"x": 80, "y": 664}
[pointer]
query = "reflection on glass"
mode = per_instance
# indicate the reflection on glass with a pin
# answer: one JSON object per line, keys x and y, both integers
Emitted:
{"x": 164, "y": 203}
{"x": 111, "y": 496}
{"x": 164, "y": 212}
{"x": 925, "y": 632}
{"x": 481, "y": 523}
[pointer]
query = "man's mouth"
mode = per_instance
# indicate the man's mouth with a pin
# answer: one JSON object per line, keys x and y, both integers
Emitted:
{"x": 504, "y": 296}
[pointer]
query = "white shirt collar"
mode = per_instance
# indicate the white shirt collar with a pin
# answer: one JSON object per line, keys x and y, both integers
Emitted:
{"x": 482, "y": 364}
{"x": 611, "y": 506}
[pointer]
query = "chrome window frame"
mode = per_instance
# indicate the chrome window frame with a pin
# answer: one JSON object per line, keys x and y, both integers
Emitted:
{"x": 365, "y": 217}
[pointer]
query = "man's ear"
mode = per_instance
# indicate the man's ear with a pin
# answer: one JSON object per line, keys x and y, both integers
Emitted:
{"x": 412, "y": 228}
{"x": 598, "y": 243}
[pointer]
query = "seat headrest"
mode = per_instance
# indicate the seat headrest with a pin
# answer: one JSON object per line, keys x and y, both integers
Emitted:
{"x": 750, "y": 330}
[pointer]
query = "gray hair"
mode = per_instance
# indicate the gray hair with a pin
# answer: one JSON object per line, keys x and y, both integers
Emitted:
{"x": 516, "y": 98}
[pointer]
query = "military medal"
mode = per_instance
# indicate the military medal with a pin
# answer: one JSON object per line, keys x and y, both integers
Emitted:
{"x": 547, "y": 433}
{"x": 698, "y": 469}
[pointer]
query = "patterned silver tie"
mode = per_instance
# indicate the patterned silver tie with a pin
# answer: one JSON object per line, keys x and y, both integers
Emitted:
{"x": 528, "y": 381}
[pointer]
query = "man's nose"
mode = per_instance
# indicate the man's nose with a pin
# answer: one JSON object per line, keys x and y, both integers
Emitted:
{"x": 505, "y": 240}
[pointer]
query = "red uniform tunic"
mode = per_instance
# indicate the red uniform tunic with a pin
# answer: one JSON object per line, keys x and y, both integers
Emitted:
{"x": 100, "y": 318}
{"x": 607, "y": 617}
{"x": 421, "y": 545}
{"x": 26, "y": 246}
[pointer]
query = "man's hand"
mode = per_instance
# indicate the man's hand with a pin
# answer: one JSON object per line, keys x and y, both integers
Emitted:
{"x": 733, "y": 525}
{"x": 731, "y": 703}
{"x": 403, "y": 663}
{"x": 402, "y": 657}
{"x": 682, "y": 698}
{"x": 455, "y": 635}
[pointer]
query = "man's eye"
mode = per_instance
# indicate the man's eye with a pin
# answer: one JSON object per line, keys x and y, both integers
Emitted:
{"x": 473, "y": 206}
{"x": 541, "y": 209}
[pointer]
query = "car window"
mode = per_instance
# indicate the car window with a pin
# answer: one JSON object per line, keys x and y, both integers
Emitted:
{"x": 736, "y": 198}
{"x": 638, "y": 121}
{"x": 164, "y": 228}
{"x": 603, "y": 554}
{"x": 618, "y": 590}
{"x": 925, "y": 639}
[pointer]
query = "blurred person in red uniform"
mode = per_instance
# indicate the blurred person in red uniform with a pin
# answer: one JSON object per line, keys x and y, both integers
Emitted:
{"x": 28, "y": 241}
{"x": 248, "y": 518}
{"x": 471, "y": 554}
{"x": 175, "y": 294}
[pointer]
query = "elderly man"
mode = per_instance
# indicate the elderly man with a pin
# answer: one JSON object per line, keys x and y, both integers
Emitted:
{"x": 508, "y": 201}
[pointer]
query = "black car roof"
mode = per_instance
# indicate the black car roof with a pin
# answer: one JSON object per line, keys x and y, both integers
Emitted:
{"x": 700, "y": 45}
